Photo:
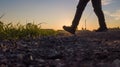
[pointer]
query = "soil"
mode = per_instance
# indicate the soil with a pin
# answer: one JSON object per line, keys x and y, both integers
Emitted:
{"x": 85, "y": 49}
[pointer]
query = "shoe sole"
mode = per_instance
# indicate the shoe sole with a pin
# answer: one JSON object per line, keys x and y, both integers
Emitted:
{"x": 68, "y": 30}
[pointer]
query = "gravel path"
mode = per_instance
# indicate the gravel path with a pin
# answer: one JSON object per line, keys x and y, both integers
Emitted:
{"x": 86, "y": 49}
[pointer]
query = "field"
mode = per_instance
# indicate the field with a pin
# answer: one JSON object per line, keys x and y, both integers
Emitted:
{"x": 31, "y": 46}
{"x": 12, "y": 31}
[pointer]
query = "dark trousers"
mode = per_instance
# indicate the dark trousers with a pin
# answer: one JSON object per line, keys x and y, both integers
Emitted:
{"x": 97, "y": 9}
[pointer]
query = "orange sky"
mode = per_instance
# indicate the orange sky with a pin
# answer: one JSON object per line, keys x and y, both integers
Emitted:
{"x": 57, "y": 13}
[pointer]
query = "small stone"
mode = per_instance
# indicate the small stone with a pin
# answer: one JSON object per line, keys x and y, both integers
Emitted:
{"x": 40, "y": 60}
{"x": 31, "y": 57}
{"x": 116, "y": 63}
{"x": 57, "y": 59}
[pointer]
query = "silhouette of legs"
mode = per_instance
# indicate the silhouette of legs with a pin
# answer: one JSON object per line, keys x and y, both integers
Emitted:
{"x": 98, "y": 11}
{"x": 78, "y": 14}
{"x": 80, "y": 8}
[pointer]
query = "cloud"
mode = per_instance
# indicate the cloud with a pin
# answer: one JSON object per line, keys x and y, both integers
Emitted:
{"x": 115, "y": 15}
{"x": 106, "y": 2}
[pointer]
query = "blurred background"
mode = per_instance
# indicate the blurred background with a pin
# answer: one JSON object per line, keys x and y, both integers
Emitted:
{"x": 56, "y": 13}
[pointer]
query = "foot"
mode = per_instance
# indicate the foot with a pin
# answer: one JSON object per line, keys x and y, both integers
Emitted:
{"x": 69, "y": 29}
{"x": 101, "y": 30}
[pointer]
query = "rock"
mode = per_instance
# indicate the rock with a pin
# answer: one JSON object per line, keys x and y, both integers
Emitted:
{"x": 116, "y": 63}
{"x": 40, "y": 60}
{"x": 103, "y": 64}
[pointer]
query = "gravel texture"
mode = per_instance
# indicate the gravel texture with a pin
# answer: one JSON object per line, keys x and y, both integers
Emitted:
{"x": 85, "y": 49}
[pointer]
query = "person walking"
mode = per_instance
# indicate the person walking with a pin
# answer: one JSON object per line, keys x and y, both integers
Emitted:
{"x": 80, "y": 8}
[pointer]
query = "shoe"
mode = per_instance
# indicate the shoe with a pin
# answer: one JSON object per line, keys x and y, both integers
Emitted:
{"x": 101, "y": 30}
{"x": 69, "y": 29}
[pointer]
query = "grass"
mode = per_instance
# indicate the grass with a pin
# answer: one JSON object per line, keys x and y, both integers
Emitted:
{"x": 11, "y": 31}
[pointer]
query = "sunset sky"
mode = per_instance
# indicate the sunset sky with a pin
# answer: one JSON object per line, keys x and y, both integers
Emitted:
{"x": 57, "y": 13}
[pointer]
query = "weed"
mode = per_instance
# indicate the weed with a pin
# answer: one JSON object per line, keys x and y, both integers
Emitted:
{"x": 11, "y": 31}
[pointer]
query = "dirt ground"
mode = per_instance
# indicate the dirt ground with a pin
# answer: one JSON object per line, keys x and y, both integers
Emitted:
{"x": 85, "y": 49}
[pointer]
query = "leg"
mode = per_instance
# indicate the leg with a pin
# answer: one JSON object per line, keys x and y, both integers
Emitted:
{"x": 75, "y": 22}
{"x": 80, "y": 8}
{"x": 98, "y": 11}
